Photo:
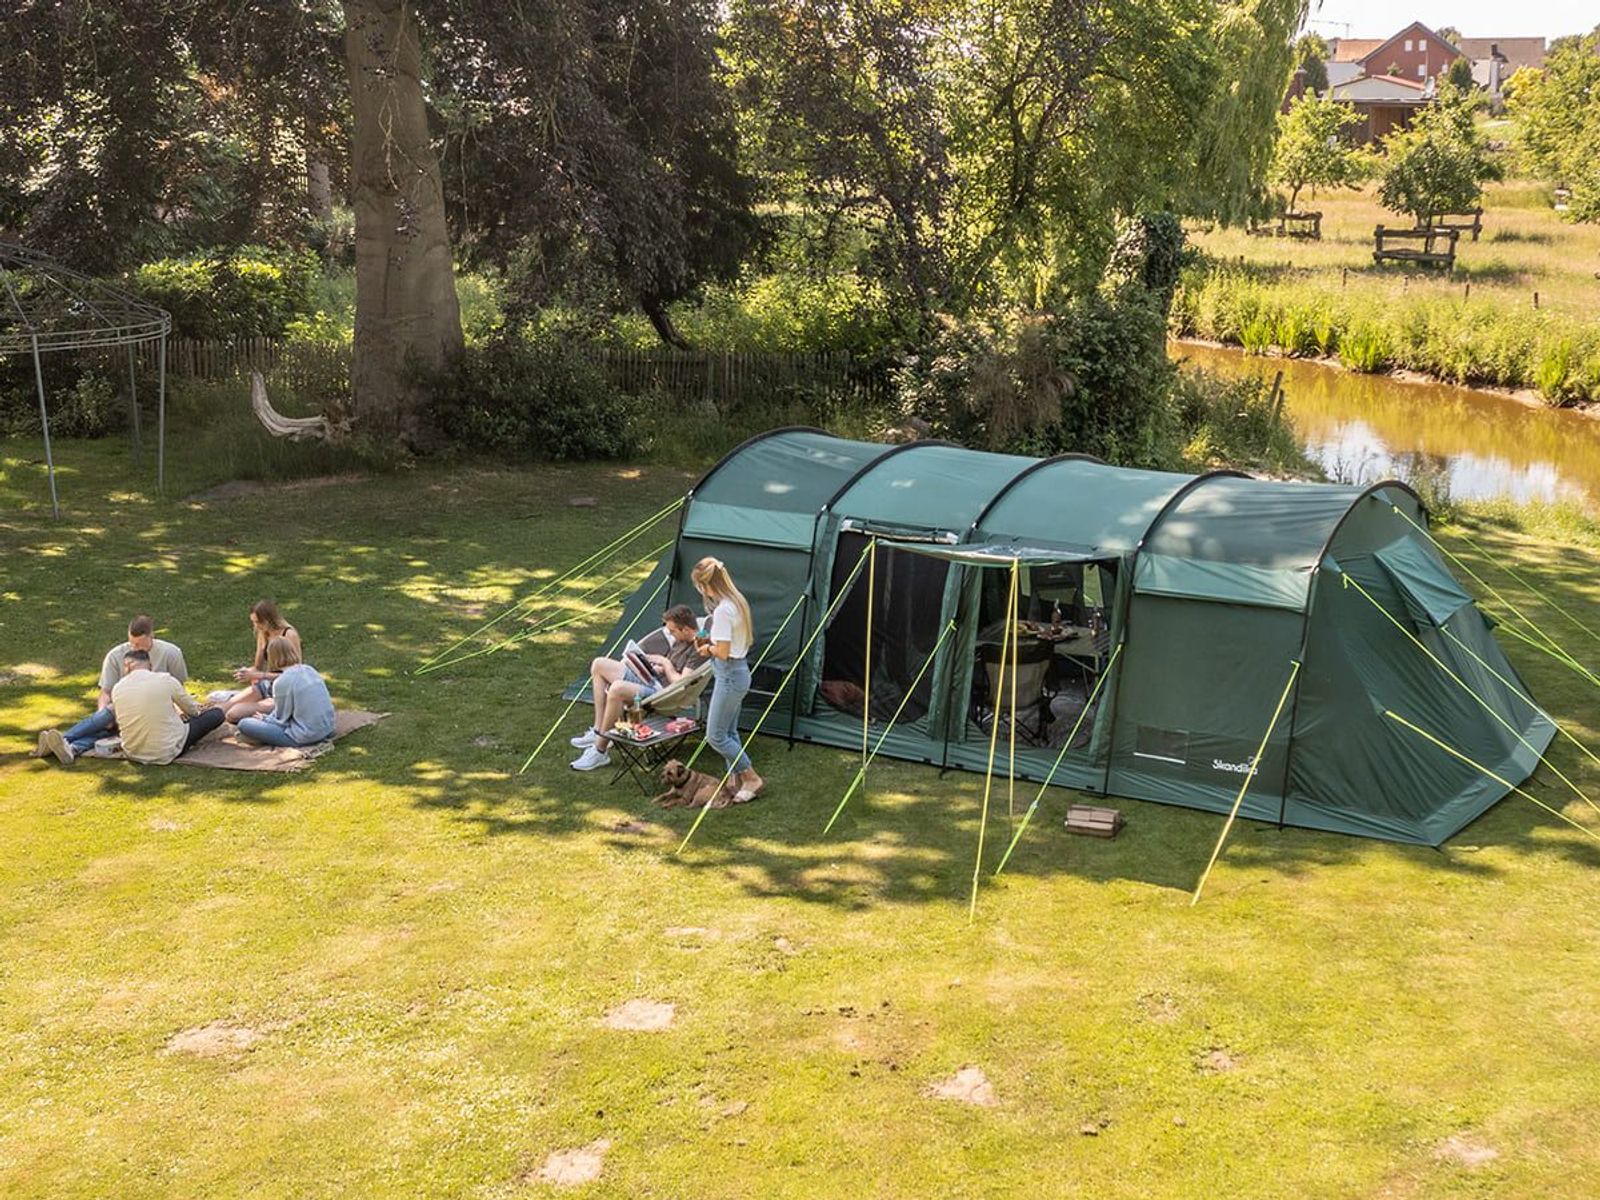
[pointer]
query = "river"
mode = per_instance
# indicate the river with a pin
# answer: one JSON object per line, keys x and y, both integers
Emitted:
{"x": 1468, "y": 444}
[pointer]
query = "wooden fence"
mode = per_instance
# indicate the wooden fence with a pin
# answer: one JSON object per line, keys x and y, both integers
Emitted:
{"x": 295, "y": 364}
{"x": 715, "y": 381}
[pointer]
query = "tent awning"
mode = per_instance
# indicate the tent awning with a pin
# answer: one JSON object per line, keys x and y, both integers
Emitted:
{"x": 995, "y": 554}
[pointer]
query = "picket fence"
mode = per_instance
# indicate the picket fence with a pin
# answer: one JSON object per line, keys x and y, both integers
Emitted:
{"x": 721, "y": 381}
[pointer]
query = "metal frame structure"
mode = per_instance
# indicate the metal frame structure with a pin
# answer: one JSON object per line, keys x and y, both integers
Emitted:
{"x": 49, "y": 307}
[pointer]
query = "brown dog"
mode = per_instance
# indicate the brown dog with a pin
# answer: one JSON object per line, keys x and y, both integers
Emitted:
{"x": 690, "y": 789}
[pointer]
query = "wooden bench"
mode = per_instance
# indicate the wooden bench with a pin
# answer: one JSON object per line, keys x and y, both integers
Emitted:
{"x": 1296, "y": 225}
{"x": 1467, "y": 222}
{"x": 1428, "y": 255}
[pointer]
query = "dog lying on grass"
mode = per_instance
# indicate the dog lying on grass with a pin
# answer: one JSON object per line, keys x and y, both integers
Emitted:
{"x": 691, "y": 789}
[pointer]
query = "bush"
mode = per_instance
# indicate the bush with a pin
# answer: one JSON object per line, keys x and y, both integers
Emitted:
{"x": 1092, "y": 378}
{"x": 780, "y": 312}
{"x": 1233, "y": 423}
{"x": 83, "y": 403}
{"x": 540, "y": 397}
{"x": 249, "y": 292}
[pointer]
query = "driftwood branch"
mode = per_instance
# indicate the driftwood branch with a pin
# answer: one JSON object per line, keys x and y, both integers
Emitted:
{"x": 296, "y": 429}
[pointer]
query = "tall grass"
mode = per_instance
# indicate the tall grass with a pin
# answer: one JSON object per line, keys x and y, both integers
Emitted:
{"x": 1456, "y": 339}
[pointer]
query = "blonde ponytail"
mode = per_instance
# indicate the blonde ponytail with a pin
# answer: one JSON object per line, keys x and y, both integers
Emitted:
{"x": 711, "y": 576}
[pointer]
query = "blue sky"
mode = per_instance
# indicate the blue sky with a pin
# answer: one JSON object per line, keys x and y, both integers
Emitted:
{"x": 1474, "y": 18}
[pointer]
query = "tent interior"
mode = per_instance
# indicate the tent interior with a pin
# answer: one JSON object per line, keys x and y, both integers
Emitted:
{"x": 1127, "y": 631}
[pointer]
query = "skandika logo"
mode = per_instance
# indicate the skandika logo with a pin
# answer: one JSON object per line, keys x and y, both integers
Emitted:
{"x": 1238, "y": 768}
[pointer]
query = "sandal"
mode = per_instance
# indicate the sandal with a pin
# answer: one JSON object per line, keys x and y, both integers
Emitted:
{"x": 745, "y": 795}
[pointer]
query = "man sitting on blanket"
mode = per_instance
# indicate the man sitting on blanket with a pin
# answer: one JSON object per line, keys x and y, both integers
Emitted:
{"x": 669, "y": 654}
{"x": 147, "y": 704}
{"x": 164, "y": 656}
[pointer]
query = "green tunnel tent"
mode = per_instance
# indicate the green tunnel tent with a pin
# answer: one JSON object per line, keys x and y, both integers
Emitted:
{"x": 1211, "y": 585}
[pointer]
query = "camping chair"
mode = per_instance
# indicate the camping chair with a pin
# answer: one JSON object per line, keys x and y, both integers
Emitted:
{"x": 1032, "y": 699}
{"x": 642, "y": 759}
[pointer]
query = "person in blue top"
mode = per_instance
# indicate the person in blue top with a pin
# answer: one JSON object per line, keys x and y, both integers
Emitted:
{"x": 302, "y": 710}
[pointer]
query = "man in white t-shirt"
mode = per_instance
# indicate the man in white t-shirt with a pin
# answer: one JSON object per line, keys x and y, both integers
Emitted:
{"x": 164, "y": 657}
{"x": 157, "y": 718}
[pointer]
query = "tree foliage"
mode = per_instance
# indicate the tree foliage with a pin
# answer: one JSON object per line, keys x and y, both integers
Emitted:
{"x": 970, "y": 152}
{"x": 1440, "y": 164}
{"x": 1557, "y": 110}
{"x": 591, "y": 148}
{"x": 1312, "y": 150}
{"x": 1311, "y": 56}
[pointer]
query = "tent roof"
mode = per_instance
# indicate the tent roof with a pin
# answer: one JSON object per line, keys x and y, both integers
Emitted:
{"x": 1111, "y": 511}
{"x": 1222, "y": 535}
{"x": 930, "y": 486}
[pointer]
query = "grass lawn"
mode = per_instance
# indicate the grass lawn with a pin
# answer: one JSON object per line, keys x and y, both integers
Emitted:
{"x": 1525, "y": 247}
{"x": 405, "y": 954}
{"x": 1476, "y": 326}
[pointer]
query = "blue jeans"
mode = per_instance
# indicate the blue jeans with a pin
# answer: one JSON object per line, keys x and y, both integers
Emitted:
{"x": 82, "y": 736}
{"x": 272, "y": 733}
{"x": 732, "y": 678}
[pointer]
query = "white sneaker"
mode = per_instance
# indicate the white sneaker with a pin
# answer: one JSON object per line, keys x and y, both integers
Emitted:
{"x": 43, "y": 748}
{"x": 585, "y": 739}
{"x": 57, "y": 745}
{"x": 591, "y": 760}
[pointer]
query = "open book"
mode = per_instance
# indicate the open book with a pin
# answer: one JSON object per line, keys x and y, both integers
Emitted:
{"x": 639, "y": 663}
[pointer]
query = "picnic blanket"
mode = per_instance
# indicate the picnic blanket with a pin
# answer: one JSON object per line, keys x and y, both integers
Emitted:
{"x": 225, "y": 750}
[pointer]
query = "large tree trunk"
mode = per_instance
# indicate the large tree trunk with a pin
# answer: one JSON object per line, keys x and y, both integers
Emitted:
{"x": 406, "y": 313}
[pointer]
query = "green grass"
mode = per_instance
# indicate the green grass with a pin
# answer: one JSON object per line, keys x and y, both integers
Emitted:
{"x": 425, "y": 941}
{"x": 1478, "y": 326}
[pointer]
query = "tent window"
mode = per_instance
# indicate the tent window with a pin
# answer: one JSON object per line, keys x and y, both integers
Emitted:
{"x": 1164, "y": 745}
{"x": 907, "y": 613}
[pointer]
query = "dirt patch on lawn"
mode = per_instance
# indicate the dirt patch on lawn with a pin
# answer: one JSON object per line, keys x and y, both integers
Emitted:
{"x": 238, "y": 489}
{"x": 219, "y": 1039}
{"x": 968, "y": 1085}
{"x": 569, "y": 1168}
{"x": 1218, "y": 1060}
{"x": 641, "y": 1016}
{"x": 1464, "y": 1150}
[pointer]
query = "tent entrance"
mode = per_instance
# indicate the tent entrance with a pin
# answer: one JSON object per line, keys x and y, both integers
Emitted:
{"x": 907, "y": 597}
{"x": 1063, "y": 647}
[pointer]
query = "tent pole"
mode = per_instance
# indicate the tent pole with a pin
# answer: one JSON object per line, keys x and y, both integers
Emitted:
{"x": 1016, "y": 640}
{"x": 1055, "y": 766}
{"x": 44, "y": 424}
{"x": 1506, "y": 783}
{"x": 994, "y": 742}
{"x": 133, "y": 406}
{"x": 1255, "y": 765}
{"x": 861, "y": 773}
{"x": 161, "y": 417}
{"x": 866, "y": 690}
{"x": 794, "y": 701}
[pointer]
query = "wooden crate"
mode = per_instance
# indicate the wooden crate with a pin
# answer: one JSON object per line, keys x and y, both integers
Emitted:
{"x": 1094, "y": 822}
